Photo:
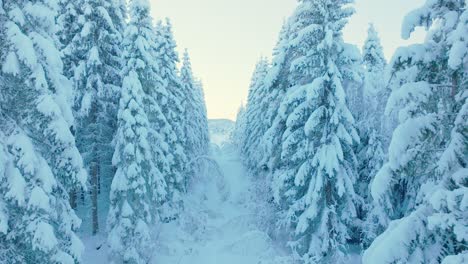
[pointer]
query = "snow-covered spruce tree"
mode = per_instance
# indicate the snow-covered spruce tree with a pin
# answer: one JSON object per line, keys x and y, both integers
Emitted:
{"x": 68, "y": 27}
{"x": 166, "y": 60}
{"x": 254, "y": 118}
{"x": 195, "y": 120}
{"x": 129, "y": 215}
{"x": 375, "y": 89}
{"x": 426, "y": 179}
{"x": 202, "y": 109}
{"x": 371, "y": 157}
{"x": 117, "y": 10}
{"x": 281, "y": 139}
{"x": 70, "y": 21}
{"x": 92, "y": 52}
{"x": 316, "y": 172}
{"x": 277, "y": 83}
{"x": 140, "y": 53}
{"x": 39, "y": 163}
{"x": 238, "y": 135}
{"x": 137, "y": 184}
{"x": 372, "y": 131}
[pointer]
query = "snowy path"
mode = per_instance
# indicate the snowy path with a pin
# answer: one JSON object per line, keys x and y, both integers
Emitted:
{"x": 219, "y": 225}
{"x": 229, "y": 234}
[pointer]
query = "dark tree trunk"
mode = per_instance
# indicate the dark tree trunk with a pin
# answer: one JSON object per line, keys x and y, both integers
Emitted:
{"x": 94, "y": 197}
{"x": 73, "y": 199}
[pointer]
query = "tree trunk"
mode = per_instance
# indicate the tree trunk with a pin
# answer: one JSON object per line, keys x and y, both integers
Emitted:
{"x": 94, "y": 197}
{"x": 454, "y": 84}
{"x": 82, "y": 192}
{"x": 73, "y": 199}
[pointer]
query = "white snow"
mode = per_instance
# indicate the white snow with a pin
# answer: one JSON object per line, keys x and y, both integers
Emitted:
{"x": 39, "y": 199}
{"x": 11, "y": 64}
{"x": 44, "y": 237}
{"x": 220, "y": 131}
{"x": 226, "y": 230}
{"x": 219, "y": 224}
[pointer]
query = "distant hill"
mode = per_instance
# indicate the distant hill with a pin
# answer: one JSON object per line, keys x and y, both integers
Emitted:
{"x": 220, "y": 130}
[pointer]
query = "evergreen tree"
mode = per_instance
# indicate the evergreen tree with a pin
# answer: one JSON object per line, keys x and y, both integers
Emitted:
{"x": 254, "y": 118}
{"x": 129, "y": 215}
{"x": 239, "y": 130}
{"x": 323, "y": 182}
{"x": 39, "y": 161}
{"x": 204, "y": 136}
{"x": 166, "y": 60}
{"x": 93, "y": 57}
{"x": 118, "y": 14}
{"x": 425, "y": 177}
{"x": 155, "y": 100}
{"x": 70, "y": 22}
{"x": 372, "y": 131}
{"x": 314, "y": 175}
{"x": 277, "y": 83}
{"x": 375, "y": 91}
{"x": 137, "y": 182}
{"x": 195, "y": 120}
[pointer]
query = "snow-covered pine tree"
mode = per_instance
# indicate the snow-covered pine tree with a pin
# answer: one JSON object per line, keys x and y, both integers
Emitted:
{"x": 375, "y": 92}
{"x": 238, "y": 135}
{"x": 426, "y": 177}
{"x": 254, "y": 118}
{"x": 129, "y": 214}
{"x": 283, "y": 138}
{"x": 117, "y": 10}
{"x": 317, "y": 171}
{"x": 143, "y": 59}
{"x": 166, "y": 60}
{"x": 278, "y": 83}
{"x": 70, "y": 21}
{"x": 372, "y": 131}
{"x": 202, "y": 109}
{"x": 39, "y": 163}
{"x": 138, "y": 184}
{"x": 371, "y": 157}
{"x": 68, "y": 27}
{"x": 92, "y": 52}
{"x": 195, "y": 119}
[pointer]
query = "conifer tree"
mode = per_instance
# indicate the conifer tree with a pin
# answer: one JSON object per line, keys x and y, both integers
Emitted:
{"x": 130, "y": 216}
{"x": 155, "y": 99}
{"x": 92, "y": 52}
{"x": 166, "y": 60}
{"x": 323, "y": 183}
{"x": 314, "y": 176}
{"x": 204, "y": 137}
{"x": 195, "y": 120}
{"x": 423, "y": 185}
{"x": 372, "y": 131}
{"x": 39, "y": 161}
{"x": 254, "y": 117}
{"x": 277, "y": 83}
{"x": 136, "y": 184}
{"x": 239, "y": 131}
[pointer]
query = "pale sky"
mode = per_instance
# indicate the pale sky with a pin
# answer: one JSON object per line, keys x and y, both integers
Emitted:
{"x": 225, "y": 38}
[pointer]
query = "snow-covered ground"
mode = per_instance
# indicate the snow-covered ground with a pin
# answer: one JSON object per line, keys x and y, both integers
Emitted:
{"x": 220, "y": 224}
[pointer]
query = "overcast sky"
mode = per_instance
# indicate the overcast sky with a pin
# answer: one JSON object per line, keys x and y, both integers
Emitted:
{"x": 225, "y": 38}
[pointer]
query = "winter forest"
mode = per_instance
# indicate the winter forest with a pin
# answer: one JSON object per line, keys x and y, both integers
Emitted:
{"x": 339, "y": 156}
